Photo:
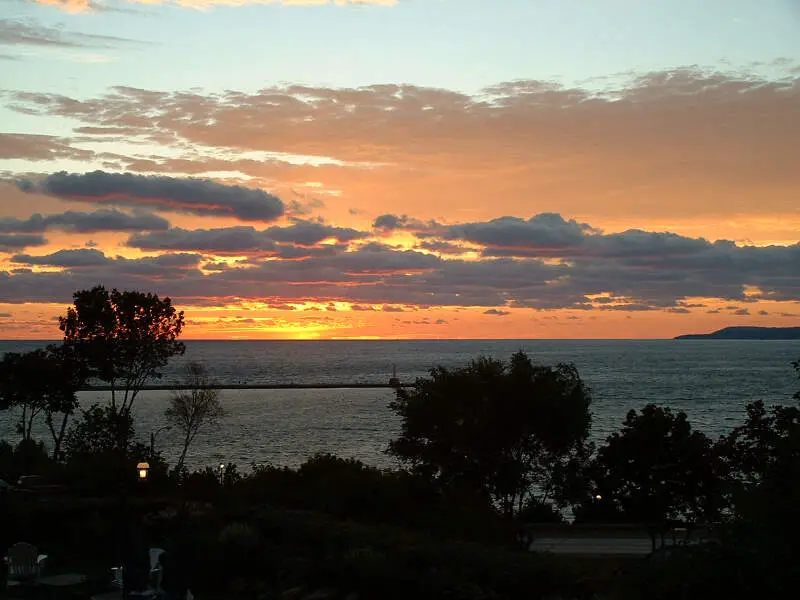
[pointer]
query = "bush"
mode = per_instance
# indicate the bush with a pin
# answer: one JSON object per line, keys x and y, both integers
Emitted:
{"x": 349, "y": 489}
{"x": 272, "y": 550}
{"x": 28, "y": 457}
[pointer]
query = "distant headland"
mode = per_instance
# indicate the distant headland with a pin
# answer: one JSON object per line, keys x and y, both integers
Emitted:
{"x": 746, "y": 333}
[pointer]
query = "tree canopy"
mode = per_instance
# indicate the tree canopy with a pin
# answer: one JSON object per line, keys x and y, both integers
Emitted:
{"x": 43, "y": 381}
{"x": 124, "y": 337}
{"x": 193, "y": 408}
{"x": 655, "y": 469}
{"x": 507, "y": 432}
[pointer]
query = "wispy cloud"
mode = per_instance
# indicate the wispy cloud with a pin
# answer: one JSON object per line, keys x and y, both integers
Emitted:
{"x": 19, "y": 32}
{"x": 649, "y": 150}
{"x": 39, "y": 147}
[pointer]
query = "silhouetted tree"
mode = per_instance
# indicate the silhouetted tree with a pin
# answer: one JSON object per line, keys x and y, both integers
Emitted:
{"x": 193, "y": 408}
{"x": 765, "y": 443}
{"x": 66, "y": 374}
{"x": 507, "y": 432}
{"x": 656, "y": 469}
{"x": 94, "y": 457}
{"x": 756, "y": 549}
{"x": 125, "y": 338}
{"x": 98, "y": 431}
{"x": 762, "y": 457}
{"x": 43, "y": 381}
{"x": 20, "y": 387}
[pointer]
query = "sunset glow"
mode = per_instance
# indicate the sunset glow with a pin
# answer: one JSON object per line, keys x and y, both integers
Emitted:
{"x": 404, "y": 169}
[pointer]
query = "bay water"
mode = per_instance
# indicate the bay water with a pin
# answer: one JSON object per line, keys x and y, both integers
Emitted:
{"x": 711, "y": 380}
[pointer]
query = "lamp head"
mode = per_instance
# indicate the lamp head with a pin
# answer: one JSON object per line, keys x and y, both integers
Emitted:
{"x": 143, "y": 468}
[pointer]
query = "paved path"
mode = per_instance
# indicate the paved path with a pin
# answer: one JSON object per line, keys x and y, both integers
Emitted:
{"x": 631, "y": 546}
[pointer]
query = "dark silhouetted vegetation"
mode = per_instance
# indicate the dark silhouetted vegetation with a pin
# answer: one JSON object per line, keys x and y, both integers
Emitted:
{"x": 485, "y": 452}
{"x": 508, "y": 433}
{"x": 124, "y": 339}
{"x": 193, "y": 408}
{"x": 656, "y": 470}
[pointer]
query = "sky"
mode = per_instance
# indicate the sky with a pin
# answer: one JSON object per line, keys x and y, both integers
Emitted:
{"x": 311, "y": 169}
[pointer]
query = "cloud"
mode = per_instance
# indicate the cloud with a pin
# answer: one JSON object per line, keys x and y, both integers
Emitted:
{"x": 742, "y": 312}
{"x": 12, "y": 243}
{"x": 84, "y": 257}
{"x": 441, "y": 247}
{"x": 281, "y": 306}
{"x": 497, "y": 312}
{"x": 547, "y": 231}
{"x": 573, "y": 266}
{"x": 294, "y": 241}
{"x": 16, "y": 32}
{"x": 388, "y": 308}
{"x": 227, "y": 240}
{"x": 5, "y": 315}
{"x": 89, "y": 5}
{"x": 194, "y": 196}
{"x": 648, "y": 149}
{"x": 82, "y": 222}
{"x": 549, "y": 234}
{"x": 627, "y": 307}
{"x": 90, "y": 259}
{"x": 39, "y": 147}
{"x": 362, "y": 308}
{"x": 310, "y": 233}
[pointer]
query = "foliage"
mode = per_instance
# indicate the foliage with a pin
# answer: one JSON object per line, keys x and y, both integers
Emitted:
{"x": 297, "y": 549}
{"x": 349, "y": 489}
{"x": 210, "y": 484}
{"x": 657, "y": 469}
{"x": 125, "y": 338}
{"x": 98, "y": 431}
{"x": 762, "y": 451}
{"x": 43, "y": 381}
{"x": 654, "y": 471}
{"x": 66, "y": 374}
{"x": 194, "y": 408}
{"x": 28, "y": 457}
{"x": 762, "y": 460}
{"x": 506, "y": 432}
{"x": 19, "y": 388}
{"x": 95, "y": 460}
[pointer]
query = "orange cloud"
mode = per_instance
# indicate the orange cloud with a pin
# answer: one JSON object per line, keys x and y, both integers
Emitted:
{"x": 683, "y": 148}
{"x": 529, "y": 210}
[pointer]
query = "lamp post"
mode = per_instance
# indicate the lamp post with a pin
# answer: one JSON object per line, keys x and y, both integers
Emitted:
{"x": 129, "y": 544}
{"x": 154, "y": 435}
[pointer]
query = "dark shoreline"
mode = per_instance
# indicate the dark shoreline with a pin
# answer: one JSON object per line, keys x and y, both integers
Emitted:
{"x": 747, "y": 333}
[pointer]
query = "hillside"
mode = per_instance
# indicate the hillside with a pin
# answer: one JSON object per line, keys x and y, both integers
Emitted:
{"x": 746, "y": 333}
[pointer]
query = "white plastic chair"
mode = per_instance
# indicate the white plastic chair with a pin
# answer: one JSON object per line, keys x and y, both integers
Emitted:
{"x": 25, "y": 564}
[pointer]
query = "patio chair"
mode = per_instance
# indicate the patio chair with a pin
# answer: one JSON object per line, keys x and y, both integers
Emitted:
{"x": 156, "y": 574}
{"x": 156, "y": 569}
{"x": 25, "y": 564}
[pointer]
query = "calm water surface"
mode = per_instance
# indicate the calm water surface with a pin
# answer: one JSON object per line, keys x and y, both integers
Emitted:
{"x": 711, "y": 380}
